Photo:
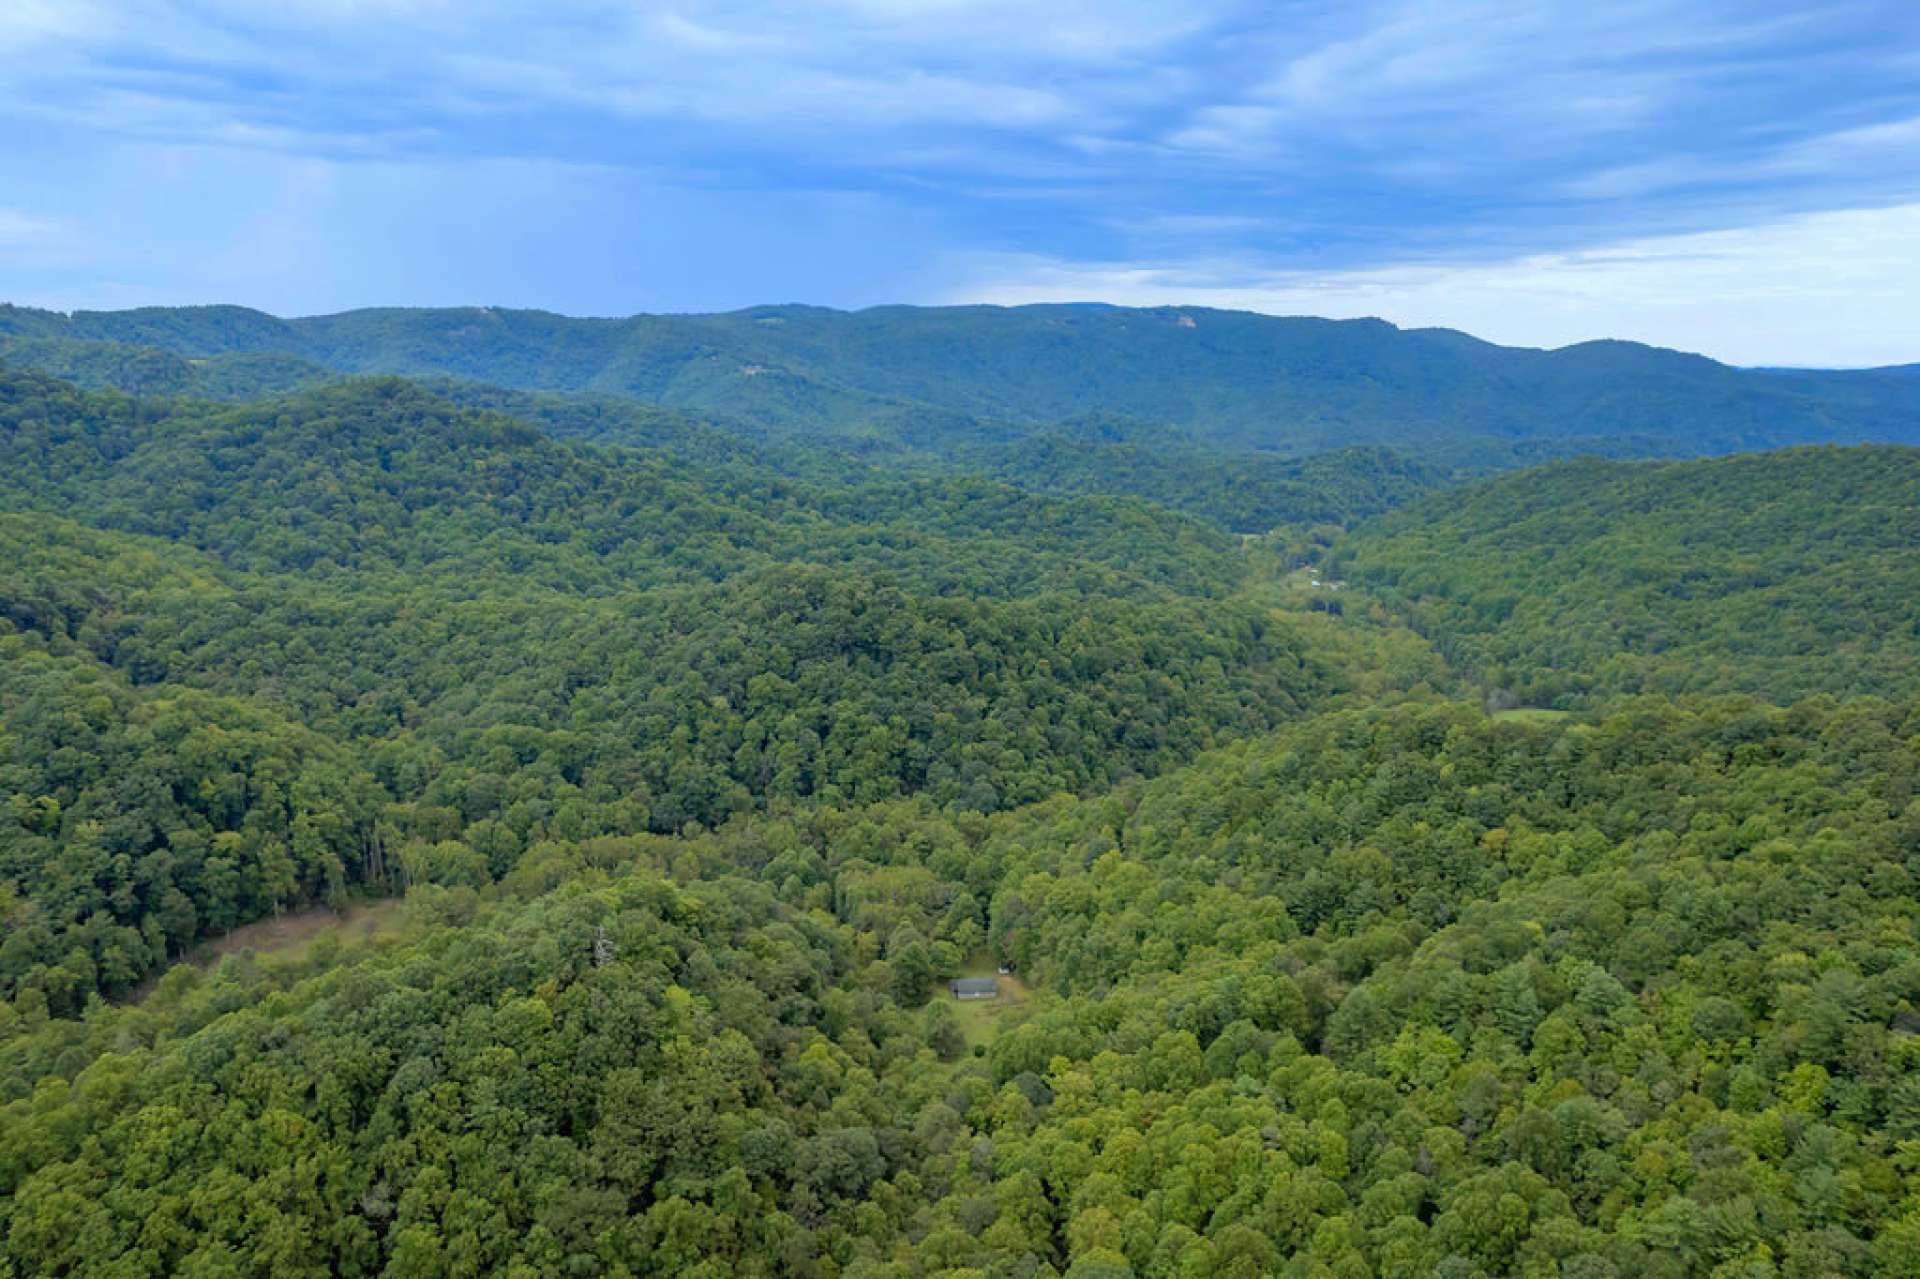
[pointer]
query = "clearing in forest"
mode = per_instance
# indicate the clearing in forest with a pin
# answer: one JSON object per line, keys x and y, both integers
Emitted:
{"x": 981, "y": 1020}
{"x": 1529, "y": 715}
{"x": 285, "y": 935}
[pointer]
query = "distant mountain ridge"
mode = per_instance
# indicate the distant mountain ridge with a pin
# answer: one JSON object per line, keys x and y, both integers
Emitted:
{"x": 1234, "y": 380}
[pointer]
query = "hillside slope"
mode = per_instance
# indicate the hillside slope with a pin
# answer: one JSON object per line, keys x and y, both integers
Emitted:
{"x": 1239, "y": 380}
{"x": 286, "y": 636}
{"x": 1780, "y": 574}
{"x": 1401, "y": 992}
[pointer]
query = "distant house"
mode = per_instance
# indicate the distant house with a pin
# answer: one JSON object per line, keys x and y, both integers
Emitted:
{"x": 974, "y": 988}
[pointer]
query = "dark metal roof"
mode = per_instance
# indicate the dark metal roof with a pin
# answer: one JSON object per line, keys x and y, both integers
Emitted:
{"x": 974, "y": 986}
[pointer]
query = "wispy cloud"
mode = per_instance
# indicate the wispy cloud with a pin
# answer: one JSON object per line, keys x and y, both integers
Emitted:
{"x": 28, "y": 239}
{"x": 17, "y": 228}
{"x": 1833, "y": 288}
{"x": 1523, "y": 79}
{"x": 1193, "y": 224}
{"x": 1886, "y": 152}
{"x": 1295, "y": 140}
{"x": 882, "y": 66}
{"x": 26, "y": 23}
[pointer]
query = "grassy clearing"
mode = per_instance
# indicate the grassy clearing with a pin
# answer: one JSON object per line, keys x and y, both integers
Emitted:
{"x": 294, "y": 932}
{"x": 981, "y": 1020}
{"x": 1530, "y": 715}
{"x": 291, "y": 935}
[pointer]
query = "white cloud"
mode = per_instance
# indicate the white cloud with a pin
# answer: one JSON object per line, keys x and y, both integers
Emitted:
{"x": 24, "y": 23}
{"x": 1891, "y": 148}
{"x": 1086, "y": 31}
{"x": 29, "y": 242}
{"x": 1230, "y": 129}
{"x": 17, "y": 228}
{"x": 1832, "y": 288}
{"x": 870, "y": 66}
{"x": 26, "y": 237}
{"x": 1490, "y": 78}
{"x": 1192, "y": 224}
{"x": 1357, "y": 131}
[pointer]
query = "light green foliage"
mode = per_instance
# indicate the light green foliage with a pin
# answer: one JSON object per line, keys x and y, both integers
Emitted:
{"x": 1780, "y": 574}
{"x": 1578, "y": 1013}
{"x": 691, "y": 774}
{"x": 500, "y": 642}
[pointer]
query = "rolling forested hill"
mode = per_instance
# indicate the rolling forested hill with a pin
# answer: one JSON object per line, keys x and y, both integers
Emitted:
{"x": 1249, "y": 492}
{"x": 679, "y": 765}
{"x": 962, "y": 374}
{"x": 1404, "y": 992}
{"x": 1781, "y": 574}
{"x": 500, "y": 628}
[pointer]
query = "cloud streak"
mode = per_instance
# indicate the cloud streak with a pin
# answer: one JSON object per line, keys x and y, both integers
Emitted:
{"x": 1319, "y": 139}
{"x": 1823, "y": 289}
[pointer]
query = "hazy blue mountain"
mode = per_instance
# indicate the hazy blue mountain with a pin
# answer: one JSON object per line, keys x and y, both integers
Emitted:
{"x": 940, "y": 375}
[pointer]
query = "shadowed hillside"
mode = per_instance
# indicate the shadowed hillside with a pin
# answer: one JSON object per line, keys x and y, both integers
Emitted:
{"x": 1780, "y": 574}
{"x": 949, "y": 374}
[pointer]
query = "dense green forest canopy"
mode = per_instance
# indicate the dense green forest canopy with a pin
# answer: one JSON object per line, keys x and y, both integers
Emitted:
{"x": 153, "y": 370}
{"x": 961, "y": 374}
{"x": 1780, "y": 574}
{"x": 1403, "y": 992}
{"x": 378, "y": 474}
{"x": 689, "y": 761}
{"x": 503, "y": 631}
{"x": 1250, "y": 492}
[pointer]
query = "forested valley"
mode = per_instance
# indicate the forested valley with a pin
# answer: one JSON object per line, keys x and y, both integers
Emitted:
{"x": 1388, "y": 868}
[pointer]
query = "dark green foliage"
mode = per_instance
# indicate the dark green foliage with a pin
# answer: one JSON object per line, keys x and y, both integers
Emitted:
{"x": 1407, "y": 992}
{"x": 1781, "y": 575}
{"x": 539, "y": 640}
{"x": 1246, "y": 492}
{"x": 692, "y": 770}
{"x": 144, "y": 370}
{"x": 137, "y": 823}
{"x": 377, "y": 474}
{"x": 938, "y": 377}
{"x": 1101, "y": 454}
{"x": 153, "y": 370}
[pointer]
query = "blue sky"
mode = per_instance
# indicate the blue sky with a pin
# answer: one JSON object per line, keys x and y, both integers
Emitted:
{"x": 1738, "y": 178}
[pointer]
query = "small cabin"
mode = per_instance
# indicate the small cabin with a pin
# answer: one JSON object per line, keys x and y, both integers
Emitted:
{"x": 974, "y": 988}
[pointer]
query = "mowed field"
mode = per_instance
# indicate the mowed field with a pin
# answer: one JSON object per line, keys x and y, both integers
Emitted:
{"x": 981, "y": 1020}
{"x": 290, "y": 934}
